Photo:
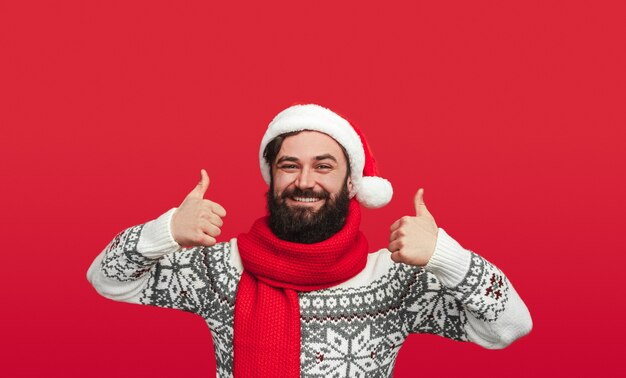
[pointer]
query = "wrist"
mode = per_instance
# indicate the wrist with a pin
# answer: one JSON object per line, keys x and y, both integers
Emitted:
{"x": 449, "y": 261}
{"x": 156, "y": 238}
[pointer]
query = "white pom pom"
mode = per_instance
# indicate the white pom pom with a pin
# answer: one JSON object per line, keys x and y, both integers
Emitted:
{"x": 374, "y": 192}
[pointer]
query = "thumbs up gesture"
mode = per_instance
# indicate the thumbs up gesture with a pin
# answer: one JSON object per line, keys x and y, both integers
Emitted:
{"x": 413, "y": 239}
{"x": 197, "y": 221}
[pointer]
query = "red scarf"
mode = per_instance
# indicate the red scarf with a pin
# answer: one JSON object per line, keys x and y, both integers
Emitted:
{"x": 267, "y": 312}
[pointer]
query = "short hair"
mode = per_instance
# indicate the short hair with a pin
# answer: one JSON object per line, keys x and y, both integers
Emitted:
{"x": 273, "y": 147}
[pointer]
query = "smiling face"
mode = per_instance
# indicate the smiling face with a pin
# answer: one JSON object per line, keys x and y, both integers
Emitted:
{"x": 308, "y": 198}
{"x": 309, "y": 170}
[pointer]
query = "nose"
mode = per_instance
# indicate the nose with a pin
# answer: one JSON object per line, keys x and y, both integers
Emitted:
{"x": 305, "y": 179}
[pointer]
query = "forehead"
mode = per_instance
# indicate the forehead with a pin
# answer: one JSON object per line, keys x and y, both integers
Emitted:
{"x": 309, "y": 144}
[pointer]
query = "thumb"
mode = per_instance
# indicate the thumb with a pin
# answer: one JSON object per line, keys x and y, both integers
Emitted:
{"x": 420, "y": 206}
{"x": 201, "y": 188}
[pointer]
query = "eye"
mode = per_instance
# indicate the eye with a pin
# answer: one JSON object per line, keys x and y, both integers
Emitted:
{"x": 324, "y": 166}
{"x": 288, "y": 166}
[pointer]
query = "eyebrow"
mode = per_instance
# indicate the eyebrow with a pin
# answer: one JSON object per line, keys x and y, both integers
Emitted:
{"x": 287, "y": 158}
{"x": 295, "y": 159}
{"x": 326, "y": 156}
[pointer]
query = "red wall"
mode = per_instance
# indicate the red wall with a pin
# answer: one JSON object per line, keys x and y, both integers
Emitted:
{"x": 509, "y": 114}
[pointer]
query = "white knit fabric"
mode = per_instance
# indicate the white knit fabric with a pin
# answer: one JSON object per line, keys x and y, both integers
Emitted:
{"x": 356, "y": 326}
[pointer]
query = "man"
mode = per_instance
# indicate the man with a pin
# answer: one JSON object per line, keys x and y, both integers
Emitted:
{"x": 299, "y": 294}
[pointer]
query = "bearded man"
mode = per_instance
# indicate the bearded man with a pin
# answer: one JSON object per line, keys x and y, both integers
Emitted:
{"x": 299, "y": 295}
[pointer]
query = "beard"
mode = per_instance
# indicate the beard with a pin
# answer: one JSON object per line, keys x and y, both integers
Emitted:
{"x": 302, "y": 224}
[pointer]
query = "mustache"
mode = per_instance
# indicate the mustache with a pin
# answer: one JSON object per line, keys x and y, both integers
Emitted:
{"x": 300, "y": 224}
{"x": 297, "y": 192}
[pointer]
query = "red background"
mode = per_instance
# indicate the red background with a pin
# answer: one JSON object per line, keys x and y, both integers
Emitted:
{"x": 510, "y": 115}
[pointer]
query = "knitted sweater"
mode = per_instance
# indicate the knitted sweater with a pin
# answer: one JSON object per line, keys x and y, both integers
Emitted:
{"x": 354, "y": 329}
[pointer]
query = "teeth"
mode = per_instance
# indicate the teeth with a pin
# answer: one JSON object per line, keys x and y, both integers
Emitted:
{"x": 305, "y": 199}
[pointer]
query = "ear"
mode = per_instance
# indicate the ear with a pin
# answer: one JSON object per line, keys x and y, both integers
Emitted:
{"x": 349, "y": 184}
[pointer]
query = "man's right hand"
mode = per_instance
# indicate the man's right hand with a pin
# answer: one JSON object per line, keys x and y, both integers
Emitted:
{"x": 197, "y": 221}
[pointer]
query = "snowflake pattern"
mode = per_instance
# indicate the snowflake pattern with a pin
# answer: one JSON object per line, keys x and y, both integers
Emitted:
{"x": 122, "y": 262}
{"x": 200, "y": 280}
{"x": 434, "y": 309}
{"x": 345, "y": 332}
{"x": 484, "y": 291}
{"x": 363, "y": 338}
{"x": 352, "y": 352}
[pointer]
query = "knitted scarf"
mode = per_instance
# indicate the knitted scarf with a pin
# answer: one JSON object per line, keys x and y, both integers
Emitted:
{"x": 267, "y": 312}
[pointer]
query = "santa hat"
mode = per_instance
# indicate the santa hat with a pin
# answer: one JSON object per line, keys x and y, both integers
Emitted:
{"x": 370, "y": 190}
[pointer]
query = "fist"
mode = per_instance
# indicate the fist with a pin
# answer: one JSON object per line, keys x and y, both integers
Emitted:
{"x": 413, "y": 239}
{"x": 197, "y": 221}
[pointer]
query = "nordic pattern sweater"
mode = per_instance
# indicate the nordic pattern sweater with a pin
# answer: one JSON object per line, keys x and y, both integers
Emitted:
{"x": 354, "y": 329}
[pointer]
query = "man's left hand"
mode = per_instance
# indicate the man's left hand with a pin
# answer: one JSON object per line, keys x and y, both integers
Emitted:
{"x": 413, "y": 239}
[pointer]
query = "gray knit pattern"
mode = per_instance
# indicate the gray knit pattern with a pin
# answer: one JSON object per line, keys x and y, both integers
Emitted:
{"x": 122, "y": 262}
{"x": 346, "y": 332}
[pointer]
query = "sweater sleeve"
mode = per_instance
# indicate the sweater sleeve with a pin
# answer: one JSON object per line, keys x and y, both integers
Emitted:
{"x": 464, "y": 297}
{"x": 144, "y": 265}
